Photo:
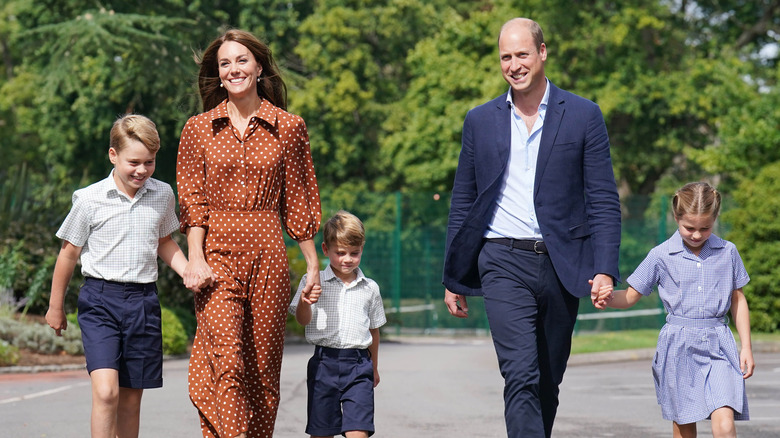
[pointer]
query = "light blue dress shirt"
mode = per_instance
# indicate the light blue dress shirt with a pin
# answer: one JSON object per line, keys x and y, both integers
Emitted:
{"x": 515, "y": 216}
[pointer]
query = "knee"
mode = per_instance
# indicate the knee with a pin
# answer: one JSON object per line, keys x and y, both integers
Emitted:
{"x": 724, "y": 428}
{"x": 105, "y": 394}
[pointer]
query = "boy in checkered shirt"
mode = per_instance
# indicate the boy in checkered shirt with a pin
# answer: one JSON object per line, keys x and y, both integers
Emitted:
{"x": 342, "y": 320}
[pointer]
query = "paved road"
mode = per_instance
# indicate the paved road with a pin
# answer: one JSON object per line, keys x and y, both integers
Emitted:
{"x": 429, "y": 388}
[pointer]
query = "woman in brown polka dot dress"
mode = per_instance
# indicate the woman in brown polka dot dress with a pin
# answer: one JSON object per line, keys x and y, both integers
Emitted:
{"x": 243, "y": 164}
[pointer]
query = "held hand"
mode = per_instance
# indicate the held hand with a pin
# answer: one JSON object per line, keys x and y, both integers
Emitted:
{"x": 198, "y": 275}
{"x": 313, "y": 295}
{"x": 746, "y": 362}
{"x": 601, "y": 296}
{"x": 312, "y": 279}
{"x": 57, "y": 320}
{"x": 456, "y": 304}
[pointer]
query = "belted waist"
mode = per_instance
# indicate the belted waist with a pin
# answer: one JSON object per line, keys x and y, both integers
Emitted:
{"x": 244, "y": 229}
{"x": 536, "y": 246}
{"x": 321, "y": 351}
{"x": 696, "y": 322}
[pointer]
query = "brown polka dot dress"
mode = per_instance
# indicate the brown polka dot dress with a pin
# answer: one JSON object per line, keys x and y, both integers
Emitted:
{"x": 238, "y": 186}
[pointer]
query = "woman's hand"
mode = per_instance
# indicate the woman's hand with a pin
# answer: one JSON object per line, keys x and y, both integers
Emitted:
{"x": 198, "y": 275}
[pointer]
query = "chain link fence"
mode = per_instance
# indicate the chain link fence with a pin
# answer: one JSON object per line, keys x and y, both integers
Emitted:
{"x": 404, "y": 252}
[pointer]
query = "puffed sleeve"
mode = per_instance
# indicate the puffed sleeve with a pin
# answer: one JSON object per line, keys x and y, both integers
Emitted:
{"x": 300, "y": 203}
{"x": 190, "y": 178}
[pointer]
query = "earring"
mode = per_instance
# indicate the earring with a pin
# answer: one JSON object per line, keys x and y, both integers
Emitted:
{"x": 259, "y": 79}
{"x": 221, "y": 85}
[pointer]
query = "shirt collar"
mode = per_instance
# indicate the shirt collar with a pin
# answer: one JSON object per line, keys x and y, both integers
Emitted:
{"x": 267, "y": 112}
{"x": 676, "y": 244}
{"x": 542, "y": 104}
{"x": 110, "y": 187}
{"x": 328, "y": 275}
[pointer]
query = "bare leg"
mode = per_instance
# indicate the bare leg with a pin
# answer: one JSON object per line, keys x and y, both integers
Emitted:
{"x": 684, "y": 430}
{"x": 357, "y": 434}
{"x": 129, "y": 412}
{"x": 723, "y": 423}
{"x": 105, "y": 400}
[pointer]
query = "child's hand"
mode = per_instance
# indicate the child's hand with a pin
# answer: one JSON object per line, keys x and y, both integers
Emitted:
{"x": 602, "y": 296}
{"x": 746, "y": 363}
{"x": 57, "y": 320}
{"x": 313, "y": 295}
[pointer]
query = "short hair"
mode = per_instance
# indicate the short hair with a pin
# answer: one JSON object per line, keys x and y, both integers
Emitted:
{"x": 344, "y": 228}
{"x": 134, "y": 127}
{"x": 531, "y": 25}
{"x": 271, "y": 85}
{"x": 696, "y": 198}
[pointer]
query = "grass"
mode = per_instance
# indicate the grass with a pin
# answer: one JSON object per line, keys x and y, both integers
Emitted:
{"x": 610, "y": 341}
{"x": 632, "y": 339}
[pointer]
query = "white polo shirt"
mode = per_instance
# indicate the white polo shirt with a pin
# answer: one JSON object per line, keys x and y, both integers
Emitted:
{"x": 118, "y": 235}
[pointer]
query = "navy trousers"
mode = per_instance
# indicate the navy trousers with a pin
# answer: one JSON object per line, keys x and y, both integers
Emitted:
{"x": 531, "y": 319}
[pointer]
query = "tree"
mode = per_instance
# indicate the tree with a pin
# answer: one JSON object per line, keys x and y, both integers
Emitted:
{"x": 756, "y": 233}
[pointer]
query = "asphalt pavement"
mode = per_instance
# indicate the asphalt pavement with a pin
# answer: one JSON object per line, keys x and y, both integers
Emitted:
{"x": 430, "y": 387}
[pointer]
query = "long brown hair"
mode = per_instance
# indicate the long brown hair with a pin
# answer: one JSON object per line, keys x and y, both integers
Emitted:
{"x": 271, "y": 85}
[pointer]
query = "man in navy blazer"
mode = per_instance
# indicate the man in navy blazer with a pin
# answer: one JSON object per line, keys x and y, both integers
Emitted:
{"x": 534, "y": 224}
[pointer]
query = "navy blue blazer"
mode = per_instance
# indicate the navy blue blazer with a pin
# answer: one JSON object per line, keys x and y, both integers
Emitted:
{"x": 575, "y": 195}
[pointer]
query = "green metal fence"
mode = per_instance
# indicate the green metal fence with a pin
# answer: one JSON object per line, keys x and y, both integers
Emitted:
{"x": 405, "y": 237}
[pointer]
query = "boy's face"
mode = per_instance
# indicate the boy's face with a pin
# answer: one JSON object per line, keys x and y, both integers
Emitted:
{"x": 344, "y": 260}
{"x": 133, "y": 165}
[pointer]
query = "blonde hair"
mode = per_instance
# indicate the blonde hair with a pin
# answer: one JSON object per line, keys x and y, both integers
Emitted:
{"x": 134, "y": 127}
{"x": 696, "y": 198}
{"x": 344, "y": 228}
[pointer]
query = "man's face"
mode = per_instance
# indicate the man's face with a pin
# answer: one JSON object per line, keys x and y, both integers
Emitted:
{"x": 522, "y": 64}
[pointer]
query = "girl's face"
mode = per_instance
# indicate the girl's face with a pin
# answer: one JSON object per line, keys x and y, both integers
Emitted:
{"x": 695, "y": 229}
{"x": 238, "y": 69}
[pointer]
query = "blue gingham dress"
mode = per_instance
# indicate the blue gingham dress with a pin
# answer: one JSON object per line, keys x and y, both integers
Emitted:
{"x": 696, "y": 364}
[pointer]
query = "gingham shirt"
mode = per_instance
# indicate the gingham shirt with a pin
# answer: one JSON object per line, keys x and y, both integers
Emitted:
{"x": 344, "y": 313}
{"x": 118, "y": 235}
{"x": 692, "y": 286}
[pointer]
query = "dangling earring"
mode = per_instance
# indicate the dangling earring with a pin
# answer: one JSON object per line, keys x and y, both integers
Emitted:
{"x": 259, "y": 79}
{"x": 221, "y": 85}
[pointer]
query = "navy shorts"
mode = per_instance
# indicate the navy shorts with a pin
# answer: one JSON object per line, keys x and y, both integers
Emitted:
{"x": 121, "y": 329}
{"x": 341, "y": 391}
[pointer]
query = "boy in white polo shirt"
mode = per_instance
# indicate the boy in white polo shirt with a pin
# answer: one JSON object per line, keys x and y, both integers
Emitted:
{"x": 118, "y": 227}
{"x": 342, "y": 320}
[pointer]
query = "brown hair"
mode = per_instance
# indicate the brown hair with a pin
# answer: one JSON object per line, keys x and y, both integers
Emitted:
{"x": 134, "y": 127}
{"x": 344, "y": 228}
{"x": 271, "y": 85}
{"x": 696, "y": 198}
{"x": 531, "y": 25}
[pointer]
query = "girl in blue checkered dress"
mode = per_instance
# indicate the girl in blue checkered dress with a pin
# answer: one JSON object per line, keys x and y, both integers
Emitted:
{"x": 699, "y": 373}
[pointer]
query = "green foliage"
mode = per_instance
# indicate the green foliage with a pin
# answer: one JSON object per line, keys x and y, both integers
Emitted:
{"x": 40, "y": 338}
{"x": 755, "y": 231}
{"x": 174, "y": 336}
{"x": 9, "y": 354}
{"x": 383, "y": 86}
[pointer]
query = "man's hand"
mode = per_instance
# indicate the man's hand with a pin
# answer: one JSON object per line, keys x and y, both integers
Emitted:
{"x": 456, "y": 304}
{"x": 601, "y": 290}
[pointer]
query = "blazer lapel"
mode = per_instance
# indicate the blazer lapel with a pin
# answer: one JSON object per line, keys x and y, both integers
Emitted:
{"x": 552, "y": 122}
{"x": 503, "y": 134}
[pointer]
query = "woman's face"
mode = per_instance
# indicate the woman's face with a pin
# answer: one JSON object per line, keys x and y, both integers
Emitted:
{"x": 238, "y": 69}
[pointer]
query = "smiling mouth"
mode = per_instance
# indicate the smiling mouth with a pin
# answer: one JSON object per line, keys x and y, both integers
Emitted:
{"x": 236, "y": 81}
